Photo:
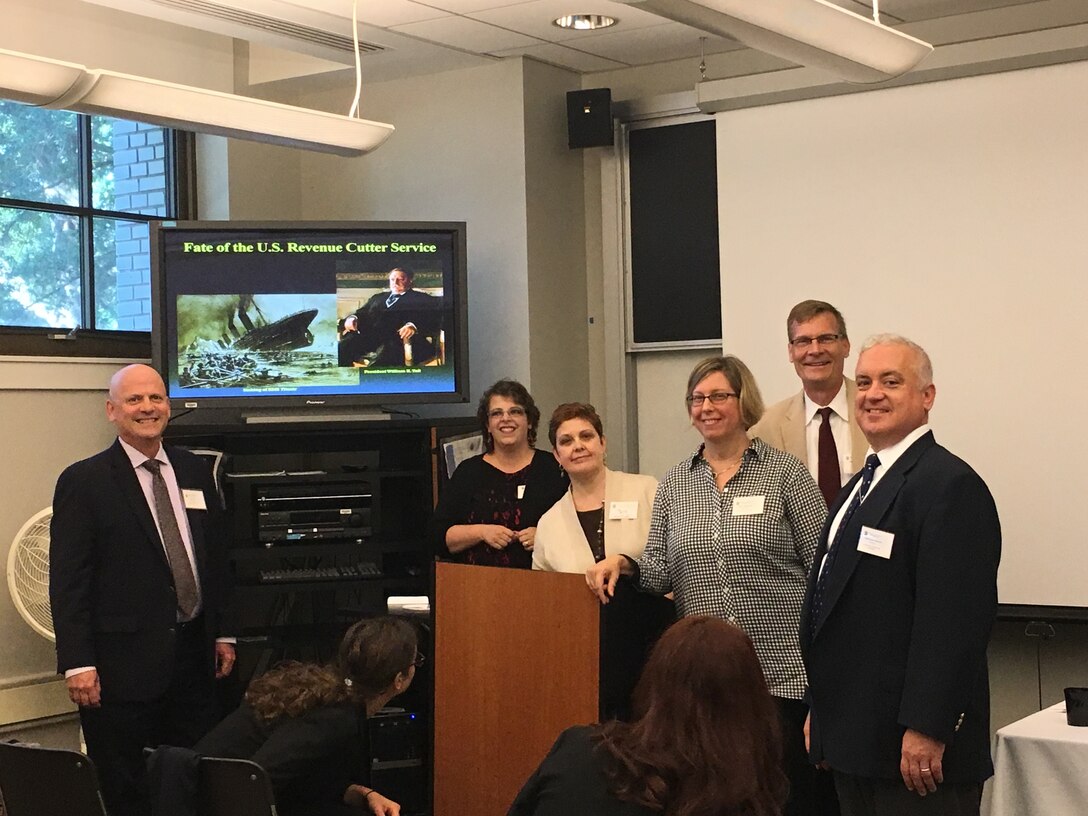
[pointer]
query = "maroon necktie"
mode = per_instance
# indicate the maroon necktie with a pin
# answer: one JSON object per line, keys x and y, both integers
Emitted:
{"x": 828, "y": 475}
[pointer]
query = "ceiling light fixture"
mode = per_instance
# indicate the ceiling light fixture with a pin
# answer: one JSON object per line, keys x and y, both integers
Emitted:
{"x": 809, "y": 32}
{"x": 584, "y": 22}
{"x": 51, "y": 83}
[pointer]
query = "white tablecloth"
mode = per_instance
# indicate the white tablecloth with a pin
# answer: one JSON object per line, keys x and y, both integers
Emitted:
{"x": 1041, "y": 767}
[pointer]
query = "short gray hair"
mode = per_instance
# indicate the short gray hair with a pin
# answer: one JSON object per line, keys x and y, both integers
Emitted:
{"x": 923, "y": 367}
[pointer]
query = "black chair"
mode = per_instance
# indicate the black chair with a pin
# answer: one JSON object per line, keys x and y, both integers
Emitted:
{"x": 38, "y": 781}
{"x": 185, "y": 784}
{"x": 234, "y": 787}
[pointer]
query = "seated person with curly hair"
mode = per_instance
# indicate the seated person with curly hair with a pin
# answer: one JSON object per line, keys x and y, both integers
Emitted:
{"x": 305, "y": 724}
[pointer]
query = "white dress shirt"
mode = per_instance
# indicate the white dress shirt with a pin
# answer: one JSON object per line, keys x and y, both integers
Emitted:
{"x": 888, "y": 457}
{"x": 145, "y": 478}
{"x": 840, "y": 430}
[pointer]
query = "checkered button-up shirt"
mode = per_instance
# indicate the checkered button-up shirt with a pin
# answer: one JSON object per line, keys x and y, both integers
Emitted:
{"x": 739, "y": 560}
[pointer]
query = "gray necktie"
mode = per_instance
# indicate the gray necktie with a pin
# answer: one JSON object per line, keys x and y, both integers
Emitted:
{"x": 182, "y": 569}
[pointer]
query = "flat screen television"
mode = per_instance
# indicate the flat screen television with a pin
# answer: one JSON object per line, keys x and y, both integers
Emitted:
{"x": 279, "y": 317}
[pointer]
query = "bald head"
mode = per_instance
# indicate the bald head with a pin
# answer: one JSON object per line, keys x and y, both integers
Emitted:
{"x": 130, "y": 373}
{"x": 138, "y": 407}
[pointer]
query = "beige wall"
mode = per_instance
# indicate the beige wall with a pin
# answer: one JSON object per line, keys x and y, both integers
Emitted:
{"x": 558, "y": 317}
{"x": 52, "y": 416}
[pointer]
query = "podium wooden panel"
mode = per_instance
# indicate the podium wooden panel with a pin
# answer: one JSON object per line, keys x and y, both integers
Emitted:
{"x": 516, "y": 660}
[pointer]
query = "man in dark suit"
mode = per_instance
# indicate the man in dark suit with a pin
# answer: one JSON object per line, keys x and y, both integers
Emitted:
{"x": 392, "y": 328}
{"x": 900, "y": 606}
{"x": 137, "y": 583}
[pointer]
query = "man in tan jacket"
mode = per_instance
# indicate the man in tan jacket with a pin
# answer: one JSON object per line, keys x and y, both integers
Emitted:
{"x": 817, "y": 425}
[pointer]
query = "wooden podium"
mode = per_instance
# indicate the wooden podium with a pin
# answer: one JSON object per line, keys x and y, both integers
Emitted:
{"x": 517, "y": 659}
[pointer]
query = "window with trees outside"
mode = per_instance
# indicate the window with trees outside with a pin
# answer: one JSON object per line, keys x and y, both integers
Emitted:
{"x": 76, "y": 195}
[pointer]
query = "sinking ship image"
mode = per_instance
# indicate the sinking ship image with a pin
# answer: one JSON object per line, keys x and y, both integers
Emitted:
{"x": 285, "y": 334}
{"x": 231, "y": 341}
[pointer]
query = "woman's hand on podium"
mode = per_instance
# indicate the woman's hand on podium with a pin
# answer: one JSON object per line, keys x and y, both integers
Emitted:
{"x": 601, "y": 577}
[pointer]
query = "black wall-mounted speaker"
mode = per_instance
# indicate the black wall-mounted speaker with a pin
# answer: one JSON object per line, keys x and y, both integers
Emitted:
{"x": 589, "y": 118}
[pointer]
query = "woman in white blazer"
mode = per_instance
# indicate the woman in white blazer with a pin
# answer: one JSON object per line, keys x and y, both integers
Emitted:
{"x": 604, "y": 512}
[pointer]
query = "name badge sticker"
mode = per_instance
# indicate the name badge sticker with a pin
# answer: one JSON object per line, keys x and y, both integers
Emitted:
{"x": 194, "y": 499}
{"x": 875, "y": 542}
{"x": 521, "y": 492}
{"x": 623, "y": 510}
{"x": 748, "y": 505}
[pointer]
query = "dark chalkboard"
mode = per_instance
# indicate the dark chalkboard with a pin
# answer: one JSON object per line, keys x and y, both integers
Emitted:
{"x": 675, "y": 278}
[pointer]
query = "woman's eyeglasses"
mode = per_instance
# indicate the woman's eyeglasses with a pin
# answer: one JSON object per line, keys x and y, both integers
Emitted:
{"x": 517, "y": 412}
{"x": 715, "y": 397}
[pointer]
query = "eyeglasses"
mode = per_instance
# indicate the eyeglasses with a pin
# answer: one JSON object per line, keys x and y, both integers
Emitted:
{"x": 820, "y": 340}
{"x": 419, "y": 660}
{"x": 517, "y": 412}
{"x": 715, "y": 397}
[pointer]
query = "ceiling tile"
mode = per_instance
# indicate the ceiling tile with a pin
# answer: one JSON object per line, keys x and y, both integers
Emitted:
{"x": 461, "y": 32}
{"x": 535, "y": 17}
{"x": 468, "y": 6}
{"x": 915, "y": 10}
{"x": 376, "y": 12}
{"x": 661, "y": 43}
{"x": 388, "y": 13}
{"x": 422, "y": 36}
{"x": 564, "y": 57}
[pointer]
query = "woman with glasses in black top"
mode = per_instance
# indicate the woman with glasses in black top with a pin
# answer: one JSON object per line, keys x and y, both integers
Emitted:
{"x": 489, "y": 511}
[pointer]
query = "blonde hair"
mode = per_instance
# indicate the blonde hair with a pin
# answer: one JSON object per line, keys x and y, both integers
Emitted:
{"x": 740, "y": 379}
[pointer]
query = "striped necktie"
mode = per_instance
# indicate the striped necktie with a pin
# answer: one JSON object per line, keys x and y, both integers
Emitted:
{"x": 871, "y": 464}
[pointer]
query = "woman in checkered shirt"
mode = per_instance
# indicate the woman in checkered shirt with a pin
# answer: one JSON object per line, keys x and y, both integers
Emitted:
{"x": 733, "y": 534}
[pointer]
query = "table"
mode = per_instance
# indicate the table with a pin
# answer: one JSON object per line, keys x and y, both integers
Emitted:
{"x": 1040, "y": 767}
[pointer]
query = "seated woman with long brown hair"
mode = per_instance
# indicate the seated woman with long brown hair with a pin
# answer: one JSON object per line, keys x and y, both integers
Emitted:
{"x": 705, "y": 741}
{"x": 305, "y": 724}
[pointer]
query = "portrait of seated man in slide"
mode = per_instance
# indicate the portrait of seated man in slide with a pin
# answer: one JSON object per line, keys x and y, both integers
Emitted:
{"x": 395, "y": 327}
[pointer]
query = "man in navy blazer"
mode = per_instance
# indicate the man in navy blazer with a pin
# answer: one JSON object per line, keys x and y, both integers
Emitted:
{"x": 899, "y": 609}
{"x": 139, "y": 667}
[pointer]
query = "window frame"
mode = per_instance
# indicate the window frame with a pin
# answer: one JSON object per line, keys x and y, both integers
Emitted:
{"x": 43, "y": 341}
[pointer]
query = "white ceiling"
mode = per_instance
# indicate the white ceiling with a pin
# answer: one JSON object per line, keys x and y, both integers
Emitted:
{"x": 415, "y": 37}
